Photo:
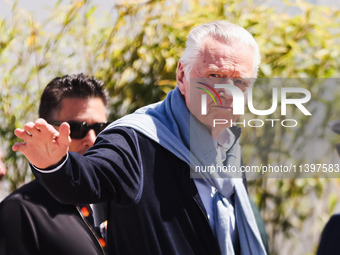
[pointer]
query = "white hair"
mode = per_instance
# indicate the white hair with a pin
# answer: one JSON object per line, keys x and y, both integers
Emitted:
{"x": 220, "y": 29}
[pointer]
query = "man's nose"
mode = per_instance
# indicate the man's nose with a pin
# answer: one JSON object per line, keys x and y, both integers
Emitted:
{"x": 90, "y": 138}
{"x": 224, "y": 91}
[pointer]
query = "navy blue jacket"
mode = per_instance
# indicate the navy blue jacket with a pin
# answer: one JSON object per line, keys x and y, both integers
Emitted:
{"x": 154, "y": 206}
{"x": 330, "y": 238}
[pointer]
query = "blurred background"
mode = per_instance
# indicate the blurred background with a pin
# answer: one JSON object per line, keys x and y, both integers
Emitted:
{"x": 134, "y": 47}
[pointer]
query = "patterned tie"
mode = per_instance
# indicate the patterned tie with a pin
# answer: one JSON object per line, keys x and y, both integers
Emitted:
{"x": 87, "y": 212}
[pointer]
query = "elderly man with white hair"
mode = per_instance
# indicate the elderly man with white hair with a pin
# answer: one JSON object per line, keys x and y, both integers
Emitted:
{"x": 142, "y": 164}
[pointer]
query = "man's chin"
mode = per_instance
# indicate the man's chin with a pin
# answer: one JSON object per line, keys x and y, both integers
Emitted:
{"x": 82, "y": 152}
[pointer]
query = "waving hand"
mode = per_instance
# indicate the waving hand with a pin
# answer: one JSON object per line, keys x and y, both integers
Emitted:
{"x": 43, "y": 145}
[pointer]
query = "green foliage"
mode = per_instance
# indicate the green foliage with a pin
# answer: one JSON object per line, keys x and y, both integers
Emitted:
{"x": 135, "y": 51}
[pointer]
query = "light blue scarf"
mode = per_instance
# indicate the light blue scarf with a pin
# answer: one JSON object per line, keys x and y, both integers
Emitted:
{"x": 170, "y": 124}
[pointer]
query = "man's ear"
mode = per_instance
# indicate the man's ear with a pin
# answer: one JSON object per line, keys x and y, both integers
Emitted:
{"x": 180, "y": 77}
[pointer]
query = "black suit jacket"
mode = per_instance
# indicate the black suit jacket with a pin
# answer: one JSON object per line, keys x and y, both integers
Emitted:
{"x": 32, "y": 222}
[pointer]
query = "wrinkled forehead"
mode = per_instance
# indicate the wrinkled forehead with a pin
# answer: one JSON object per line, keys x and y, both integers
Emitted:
{"x": 224, "y": 56}
{"x": 215, "y": 45}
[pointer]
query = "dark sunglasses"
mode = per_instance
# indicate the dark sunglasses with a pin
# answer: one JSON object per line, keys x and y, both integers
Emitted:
{"x": 80, "y": 129}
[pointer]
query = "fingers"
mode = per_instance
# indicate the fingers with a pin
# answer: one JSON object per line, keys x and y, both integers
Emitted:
{"x": 44, "y": 145}
{"x": 34, "y": 131}
{"x": 22, "y": 134}
{"x": 61, "y": 137}
{"x": 45, "y": 128}
{"x": 41, "y": 130}
{"x": 31, "y": 129}
{"x": 64, "y": 133}
{"x": 41, "y": 121}
{"x": 19, "y": 147}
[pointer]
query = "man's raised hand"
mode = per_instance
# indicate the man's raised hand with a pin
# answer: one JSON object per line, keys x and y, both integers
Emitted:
{"x": 43, "y": 145}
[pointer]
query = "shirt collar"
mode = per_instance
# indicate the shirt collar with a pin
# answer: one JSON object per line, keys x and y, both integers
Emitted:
{"x": 226, "y": 140}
